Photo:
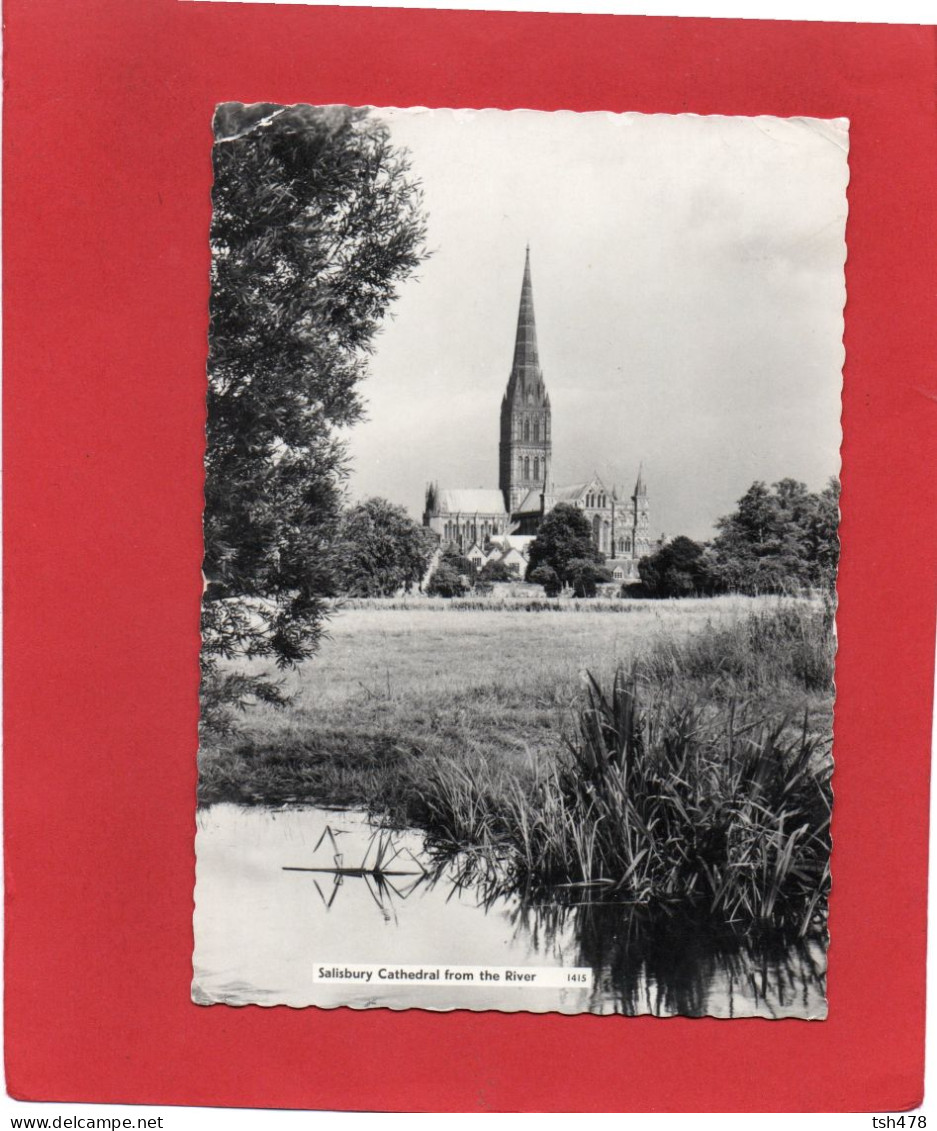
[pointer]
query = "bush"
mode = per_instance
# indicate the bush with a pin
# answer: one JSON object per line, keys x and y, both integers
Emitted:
{"x": 496, "y": 571}
{"x": 547, "y": 577}
{"x": 446, "y": 581}
{"x": 585, "y": 577}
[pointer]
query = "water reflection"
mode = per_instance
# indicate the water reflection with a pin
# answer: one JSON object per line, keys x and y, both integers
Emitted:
{"x": 280, "y": 891}
{"x": 661, "y": 962}
{"x": 672, "y": 965}
{"x": 388, "y": 868}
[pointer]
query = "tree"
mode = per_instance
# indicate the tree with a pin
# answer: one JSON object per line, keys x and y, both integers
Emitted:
{"x": 547, "y": 577}
{"x": 564, "y": 537}
{"x": 462, "y": 565}
{"x": 779, "y": 539}
{"x": 446, "y": 581}
{"x": 680, "y": 568}
{"x": 821, "y": 537}
{"x": 585, "y": 576}
{"x": 495, "y": 570}
{"x": 380, "y": 550}
{"x": 316, "y": 221}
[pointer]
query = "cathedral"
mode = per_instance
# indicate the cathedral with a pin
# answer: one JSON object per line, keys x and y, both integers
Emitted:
{"x": 486, "y": 524}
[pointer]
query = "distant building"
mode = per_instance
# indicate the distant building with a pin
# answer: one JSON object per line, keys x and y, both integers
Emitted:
{"x": 476, "y": 518}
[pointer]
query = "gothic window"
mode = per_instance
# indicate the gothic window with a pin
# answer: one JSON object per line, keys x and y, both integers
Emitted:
{"x": 627, "y": 545}
{"x": 526, "y": 431}
{"x": 526, "y": 467}
{"x": 601, "y": 500}
{"x": 597, "y": 531}
{"x": 536, "y": 431}
{"x": 536, "y": 468}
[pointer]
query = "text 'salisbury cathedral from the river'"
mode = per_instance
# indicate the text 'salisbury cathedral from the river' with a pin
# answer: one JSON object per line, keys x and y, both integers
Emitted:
{"x": 472, "y": 517}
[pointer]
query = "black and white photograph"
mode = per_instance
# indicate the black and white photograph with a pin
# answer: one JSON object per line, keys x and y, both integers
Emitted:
{"x": 521, "y": 544}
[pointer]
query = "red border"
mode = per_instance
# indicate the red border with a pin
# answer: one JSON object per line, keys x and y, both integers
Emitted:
{"x": 106, "y": 182}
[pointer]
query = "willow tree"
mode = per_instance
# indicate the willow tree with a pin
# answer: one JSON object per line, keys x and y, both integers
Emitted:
{"x": 317, "y": 219}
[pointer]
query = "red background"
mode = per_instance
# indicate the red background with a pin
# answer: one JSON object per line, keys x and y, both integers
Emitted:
{"x": 106, "y": 182}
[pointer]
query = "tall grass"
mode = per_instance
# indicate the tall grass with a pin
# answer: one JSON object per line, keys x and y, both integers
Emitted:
{"x": 526, "y": 603}
{"x": 791, "y": 643}
{"x": 531, "y": 599}
{"x": 666, "y": 797}
{"x": 660, "y": 804}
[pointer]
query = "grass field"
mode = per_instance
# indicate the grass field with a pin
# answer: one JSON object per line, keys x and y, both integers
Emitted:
{"x": 395, "y": 685}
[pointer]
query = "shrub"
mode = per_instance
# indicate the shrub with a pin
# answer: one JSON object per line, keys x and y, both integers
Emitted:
{"x": 496, "y": 571}
{"x": 585, "y": 576}
{"x": 446, "y": 581}
{"x": 547, "y": 577}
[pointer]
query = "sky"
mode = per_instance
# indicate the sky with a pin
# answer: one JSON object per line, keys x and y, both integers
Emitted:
{"x": 688, "y": 288}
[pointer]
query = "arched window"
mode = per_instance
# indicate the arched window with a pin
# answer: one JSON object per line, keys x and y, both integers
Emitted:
{"x": 601, "y": 500}
{"x": 526, "y": 467}
{"x": 596, "y": 531}
{"x": 627, "y": 545}
{"x": 536, "y": 431}
{"x": 526, "y": 430}
{"x": 536, "y": 468}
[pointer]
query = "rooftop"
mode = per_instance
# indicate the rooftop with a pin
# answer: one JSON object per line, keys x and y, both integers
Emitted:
{"x": 470, "y": 500}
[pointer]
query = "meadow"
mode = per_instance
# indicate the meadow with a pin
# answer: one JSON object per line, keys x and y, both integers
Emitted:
{"x": 412, "y": 679}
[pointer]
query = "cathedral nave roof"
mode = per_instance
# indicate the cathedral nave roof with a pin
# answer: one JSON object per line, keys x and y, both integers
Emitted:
{"x": 470, "y": 500}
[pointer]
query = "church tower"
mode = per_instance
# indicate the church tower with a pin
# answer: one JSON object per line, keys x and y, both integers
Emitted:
{"x": 526, "y": 448}
{"x": 640, "y": 521}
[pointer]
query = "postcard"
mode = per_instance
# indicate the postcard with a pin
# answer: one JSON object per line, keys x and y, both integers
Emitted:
{"x": 521, "y": 518}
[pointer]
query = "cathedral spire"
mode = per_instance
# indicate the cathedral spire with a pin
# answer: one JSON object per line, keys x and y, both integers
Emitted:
{"x": 526, "y": 362}
{"x": 525, "y": 450}
{"x": 639, "y": 487}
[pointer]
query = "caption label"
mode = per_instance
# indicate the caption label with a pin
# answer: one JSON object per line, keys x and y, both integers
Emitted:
{"x": 521, "y": 977}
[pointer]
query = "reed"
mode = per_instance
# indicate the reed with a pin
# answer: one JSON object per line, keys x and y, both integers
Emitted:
{"x": 667, "y": 795}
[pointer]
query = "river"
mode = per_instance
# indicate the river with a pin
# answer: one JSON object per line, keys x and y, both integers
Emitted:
{"x": 262, "y": 930}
